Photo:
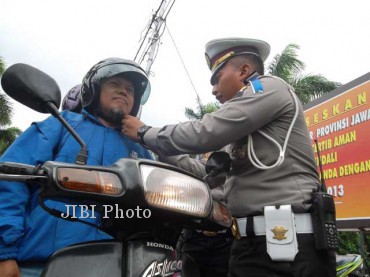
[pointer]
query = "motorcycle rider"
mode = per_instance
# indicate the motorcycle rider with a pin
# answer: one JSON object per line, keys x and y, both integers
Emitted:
{"x": 111, "y": 89}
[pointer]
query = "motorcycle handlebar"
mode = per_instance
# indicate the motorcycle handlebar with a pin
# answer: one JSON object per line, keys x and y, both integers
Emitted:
{"x": 20, "y": 172}
{"x": 18, "y": 168}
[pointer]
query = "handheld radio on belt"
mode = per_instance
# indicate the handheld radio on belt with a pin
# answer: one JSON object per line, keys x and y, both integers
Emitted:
{"x": 323, "y": 215}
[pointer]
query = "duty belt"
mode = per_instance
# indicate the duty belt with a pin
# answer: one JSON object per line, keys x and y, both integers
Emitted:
{"x": 303, "y": 224}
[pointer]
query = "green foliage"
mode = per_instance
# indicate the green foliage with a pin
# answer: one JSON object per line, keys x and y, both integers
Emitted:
{"x": 5, "y": 110}
{"x": 288, "y": 67}
{"x": 2, "y": 66}
{"x": 201, "y": 110}
{"x": 349, "y": 243}
{"x": 310, "y": 87}
{"x": 7, "y": 135}
{"x": 5, "y": 105}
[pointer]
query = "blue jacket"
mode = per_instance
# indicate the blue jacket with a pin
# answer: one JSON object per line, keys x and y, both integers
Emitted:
{"x": 27, "y": 232}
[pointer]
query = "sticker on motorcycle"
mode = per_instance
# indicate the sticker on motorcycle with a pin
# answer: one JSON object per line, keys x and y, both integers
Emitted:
{"x": 165, "y": 268}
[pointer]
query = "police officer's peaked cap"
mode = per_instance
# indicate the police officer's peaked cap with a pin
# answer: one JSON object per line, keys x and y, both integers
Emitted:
{"x": 219, "y": 51}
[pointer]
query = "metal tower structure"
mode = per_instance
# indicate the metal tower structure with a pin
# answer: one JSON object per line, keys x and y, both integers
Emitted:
{"x": 148, "y": 49}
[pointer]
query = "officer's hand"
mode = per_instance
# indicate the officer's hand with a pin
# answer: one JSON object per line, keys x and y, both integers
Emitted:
{"x": 9, "y": 268}
{"x": 130, "y": 126}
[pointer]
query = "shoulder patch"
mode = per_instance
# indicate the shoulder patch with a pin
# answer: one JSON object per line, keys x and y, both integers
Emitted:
{"x": 256, "y": 85}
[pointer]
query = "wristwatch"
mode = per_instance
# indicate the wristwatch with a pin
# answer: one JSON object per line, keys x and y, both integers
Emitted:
{"x": 141, "y": 132}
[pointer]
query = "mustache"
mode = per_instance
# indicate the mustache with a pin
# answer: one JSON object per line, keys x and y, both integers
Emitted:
{"x": 124, "y": 99}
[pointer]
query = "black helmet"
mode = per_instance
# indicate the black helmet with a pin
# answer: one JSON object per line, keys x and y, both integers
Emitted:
{"x": 90, "y": 90}
{"x": 72, "y": 100}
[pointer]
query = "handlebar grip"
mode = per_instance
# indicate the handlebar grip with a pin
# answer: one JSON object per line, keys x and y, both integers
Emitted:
{"x": 18, "y": 168}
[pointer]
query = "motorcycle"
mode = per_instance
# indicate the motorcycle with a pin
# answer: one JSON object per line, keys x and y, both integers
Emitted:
{"x": 148, "y": 202}
{"x": 350, "y": 265}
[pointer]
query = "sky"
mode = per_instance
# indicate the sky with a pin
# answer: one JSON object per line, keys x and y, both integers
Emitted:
{"x": 65, "y": 38}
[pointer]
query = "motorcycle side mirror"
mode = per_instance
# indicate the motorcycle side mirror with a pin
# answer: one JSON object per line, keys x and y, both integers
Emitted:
{"x": 31, "y": 87}
{"x": 38, "y": 91}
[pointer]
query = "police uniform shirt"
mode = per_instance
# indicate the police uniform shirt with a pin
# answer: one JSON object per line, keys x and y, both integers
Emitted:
{"x": 249, "y": 189}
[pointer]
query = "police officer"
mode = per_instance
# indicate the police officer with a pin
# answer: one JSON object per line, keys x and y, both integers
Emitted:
{"x": 273, "y": 172}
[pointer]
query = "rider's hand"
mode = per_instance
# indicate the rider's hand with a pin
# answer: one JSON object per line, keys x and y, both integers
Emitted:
{"x": 9, "y": 268}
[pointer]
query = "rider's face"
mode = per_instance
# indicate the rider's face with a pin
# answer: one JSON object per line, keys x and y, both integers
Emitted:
{"x": 117, "y": 93}
{"x": 116, "y": 98}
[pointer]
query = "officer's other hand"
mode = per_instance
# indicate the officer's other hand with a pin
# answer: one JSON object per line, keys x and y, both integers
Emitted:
{"x": 130, "y": 126}
{"x": 9, "y": 268}
{"x": 215, "y": 181}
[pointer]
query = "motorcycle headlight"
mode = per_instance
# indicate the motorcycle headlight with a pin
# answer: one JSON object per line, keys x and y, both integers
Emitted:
{"x": 175, "y": 191}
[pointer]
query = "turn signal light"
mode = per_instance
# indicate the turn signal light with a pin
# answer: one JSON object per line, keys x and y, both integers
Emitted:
{"x": 86, "y": 180}
{"x": 221, "y": 214}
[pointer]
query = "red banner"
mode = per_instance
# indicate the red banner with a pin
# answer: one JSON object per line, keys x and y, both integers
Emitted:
{"x": 341, "y": 126}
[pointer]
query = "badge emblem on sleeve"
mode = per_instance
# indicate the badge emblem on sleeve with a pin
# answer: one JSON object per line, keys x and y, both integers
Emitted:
{"x": 279, "y": 232}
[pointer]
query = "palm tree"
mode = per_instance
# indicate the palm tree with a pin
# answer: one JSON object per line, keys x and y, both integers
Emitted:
{"x": 2, "y": 66}
{"x": 201, "y": 109}
{"x": 5, "y": 106}
{"x": 7, "y": 135}
{"x": 5, "y": 110}
{"x": 288, "y": 67}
